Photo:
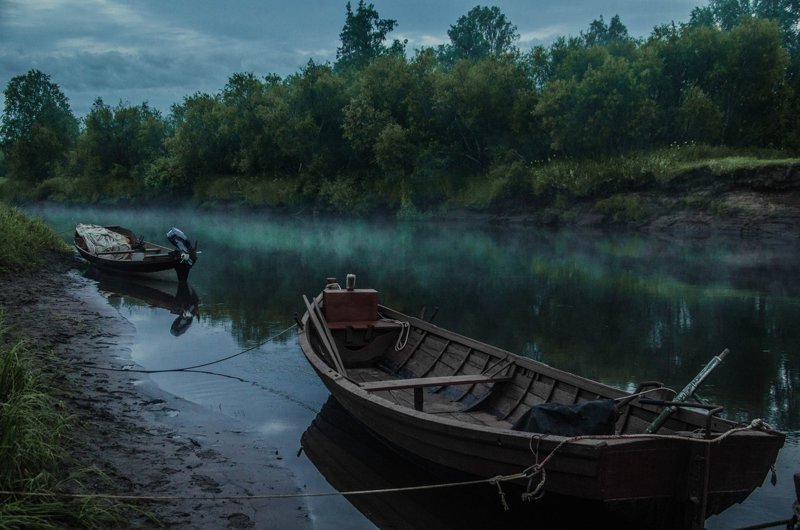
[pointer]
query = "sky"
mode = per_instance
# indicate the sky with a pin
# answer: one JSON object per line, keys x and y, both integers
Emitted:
{"x": 159, "y": 51}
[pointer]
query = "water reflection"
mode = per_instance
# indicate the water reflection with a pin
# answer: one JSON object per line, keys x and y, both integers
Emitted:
{"x": 351, "y": 459}
{"x": 120, "y": 289}
{"x": 611, "y": 307}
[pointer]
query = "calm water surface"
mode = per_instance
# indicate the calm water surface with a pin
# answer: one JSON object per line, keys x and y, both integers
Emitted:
{"x": 616, "y": 308}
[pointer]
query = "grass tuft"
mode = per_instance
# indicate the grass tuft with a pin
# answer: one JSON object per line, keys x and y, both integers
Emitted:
{"x": 25, "y": 241}
{"x": 32, "y": 457}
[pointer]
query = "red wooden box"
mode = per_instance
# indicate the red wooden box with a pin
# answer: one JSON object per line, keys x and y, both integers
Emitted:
{"x": 358, "y": 305}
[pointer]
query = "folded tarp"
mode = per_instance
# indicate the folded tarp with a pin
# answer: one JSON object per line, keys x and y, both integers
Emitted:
{"x": 101, "y": 239}
{"x": 596, "y": 417}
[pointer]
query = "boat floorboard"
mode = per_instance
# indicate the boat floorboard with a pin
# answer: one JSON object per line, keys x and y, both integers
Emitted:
{"x": 434, "y": 402}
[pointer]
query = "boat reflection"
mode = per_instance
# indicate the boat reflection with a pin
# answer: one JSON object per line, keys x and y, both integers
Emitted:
{"x": 184, "y": 302}
{"x": 351, "y": 459}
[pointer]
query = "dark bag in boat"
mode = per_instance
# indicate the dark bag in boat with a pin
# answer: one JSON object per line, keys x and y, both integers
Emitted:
{"x": 589, "y": 417}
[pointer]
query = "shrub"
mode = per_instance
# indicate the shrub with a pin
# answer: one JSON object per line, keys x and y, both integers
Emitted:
{"x": 621, "y": 208}
{"x": 271, "y": 192}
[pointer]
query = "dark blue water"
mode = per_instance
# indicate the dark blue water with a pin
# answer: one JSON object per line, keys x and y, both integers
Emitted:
{"x": 616, "y": 308}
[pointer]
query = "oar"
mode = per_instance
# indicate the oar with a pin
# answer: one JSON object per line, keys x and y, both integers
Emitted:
{"x": 317, "y": 319}
{"x": 686, "y": 392}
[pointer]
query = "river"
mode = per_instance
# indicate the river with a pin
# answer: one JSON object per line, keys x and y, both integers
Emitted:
{"x": 618, "y": 308}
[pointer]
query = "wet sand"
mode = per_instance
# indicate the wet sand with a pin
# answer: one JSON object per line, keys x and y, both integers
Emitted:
{"x": 145, "y": 441}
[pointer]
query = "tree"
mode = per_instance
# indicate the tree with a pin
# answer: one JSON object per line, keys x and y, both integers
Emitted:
{"x": 727, "y": 13}
{"x": 475, "y": 105}
{"x": 315, "y": 99}
{"x": 698, "y": 118}
{"x": 701, "y": 16}
{"x": 243, "y": 99}
{"x": 38, "y": 127}
{"x": 95, "y": 149}
{"x": 600, "y": 34}
{"x": 198, "y": 145}
{"x": 482, "y": 32}
{"x": 120, "y": 142}
{"x": 363, "y": 36}
{"x": 382, "y": 99}
{"x": 607, "y": 111}
{"x": 751, "y": 88}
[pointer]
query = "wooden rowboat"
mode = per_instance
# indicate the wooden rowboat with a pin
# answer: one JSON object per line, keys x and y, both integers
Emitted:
{"x": 447, "y": 399}
{"x": 118, "y": 249}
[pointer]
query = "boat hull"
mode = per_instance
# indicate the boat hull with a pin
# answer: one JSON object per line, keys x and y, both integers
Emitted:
{"x": 133, "y": 267}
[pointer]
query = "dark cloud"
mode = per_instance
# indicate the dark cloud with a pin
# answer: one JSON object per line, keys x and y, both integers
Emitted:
{"x": 155, "y": 51}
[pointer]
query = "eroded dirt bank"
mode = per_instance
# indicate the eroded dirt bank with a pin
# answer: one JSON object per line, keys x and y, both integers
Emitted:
{"x": 145, "y": 441}
{"x": 754, "y": 204}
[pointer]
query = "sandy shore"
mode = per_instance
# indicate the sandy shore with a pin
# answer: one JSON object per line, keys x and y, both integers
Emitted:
{"x": 145, "y": 441}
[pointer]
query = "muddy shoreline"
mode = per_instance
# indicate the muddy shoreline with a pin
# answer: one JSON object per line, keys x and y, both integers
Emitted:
{"x": 145, "y": 441}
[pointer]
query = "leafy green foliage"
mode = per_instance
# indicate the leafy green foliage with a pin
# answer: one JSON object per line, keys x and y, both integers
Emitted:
{"x": 483, "y": 32}
{"x": 121, "y": 142}
{"x": 362, "y": 37}
{"x": 38, "y": 127}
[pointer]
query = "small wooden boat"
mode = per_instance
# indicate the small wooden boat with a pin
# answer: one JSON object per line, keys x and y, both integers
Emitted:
{"x": 447, "y": 399}
{"x": 118, "y": 249}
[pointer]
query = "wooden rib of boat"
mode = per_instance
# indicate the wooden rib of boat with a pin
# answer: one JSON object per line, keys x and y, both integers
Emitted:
{"x": 131, "y": 254}
{"x": 454, "y": 401}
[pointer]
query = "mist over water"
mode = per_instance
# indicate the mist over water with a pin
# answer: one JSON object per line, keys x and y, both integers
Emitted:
{"x": 616, "y": 308}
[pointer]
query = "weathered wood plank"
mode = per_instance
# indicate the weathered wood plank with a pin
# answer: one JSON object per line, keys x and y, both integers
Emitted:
{"x": 420, "y": 382}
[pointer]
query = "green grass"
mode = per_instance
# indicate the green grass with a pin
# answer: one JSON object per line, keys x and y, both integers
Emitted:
{"x": 25, "y": 241}
{"x": 78, "y": 190}
{"x": 32, "y": 457}
{"x": 519, "y": 183}
{"x": 607, "y": 176}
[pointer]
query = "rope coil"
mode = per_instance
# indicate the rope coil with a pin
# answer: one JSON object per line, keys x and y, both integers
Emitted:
{"x": 405, "y": 331}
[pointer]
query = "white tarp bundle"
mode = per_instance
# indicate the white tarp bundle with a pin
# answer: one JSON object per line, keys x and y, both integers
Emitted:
{"x": 100, "y": 239}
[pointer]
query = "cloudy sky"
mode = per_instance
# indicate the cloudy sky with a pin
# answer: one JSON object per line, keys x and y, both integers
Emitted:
{"x": 162, "y": 50}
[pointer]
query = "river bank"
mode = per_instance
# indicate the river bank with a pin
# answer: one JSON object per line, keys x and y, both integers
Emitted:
{"x": 143, "y": 441}
{"x": 762, "y": 203}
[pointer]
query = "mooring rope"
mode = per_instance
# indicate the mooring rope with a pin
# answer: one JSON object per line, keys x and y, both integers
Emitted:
{"x": 124, "y": 497}
{"x": 538, "y": 467}
{"x": 527, "y": 473}
{"x": 193, "y": 368}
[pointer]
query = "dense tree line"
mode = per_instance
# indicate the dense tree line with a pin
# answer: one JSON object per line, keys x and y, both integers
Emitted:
{"x": 407, "y": 129}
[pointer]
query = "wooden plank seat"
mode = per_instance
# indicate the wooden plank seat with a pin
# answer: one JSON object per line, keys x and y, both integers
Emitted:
{"x": 418, "y": 383}
{"x": 364, "y": 324}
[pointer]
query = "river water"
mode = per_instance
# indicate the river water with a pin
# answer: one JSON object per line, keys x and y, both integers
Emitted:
{"x": 616, "y": 308}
